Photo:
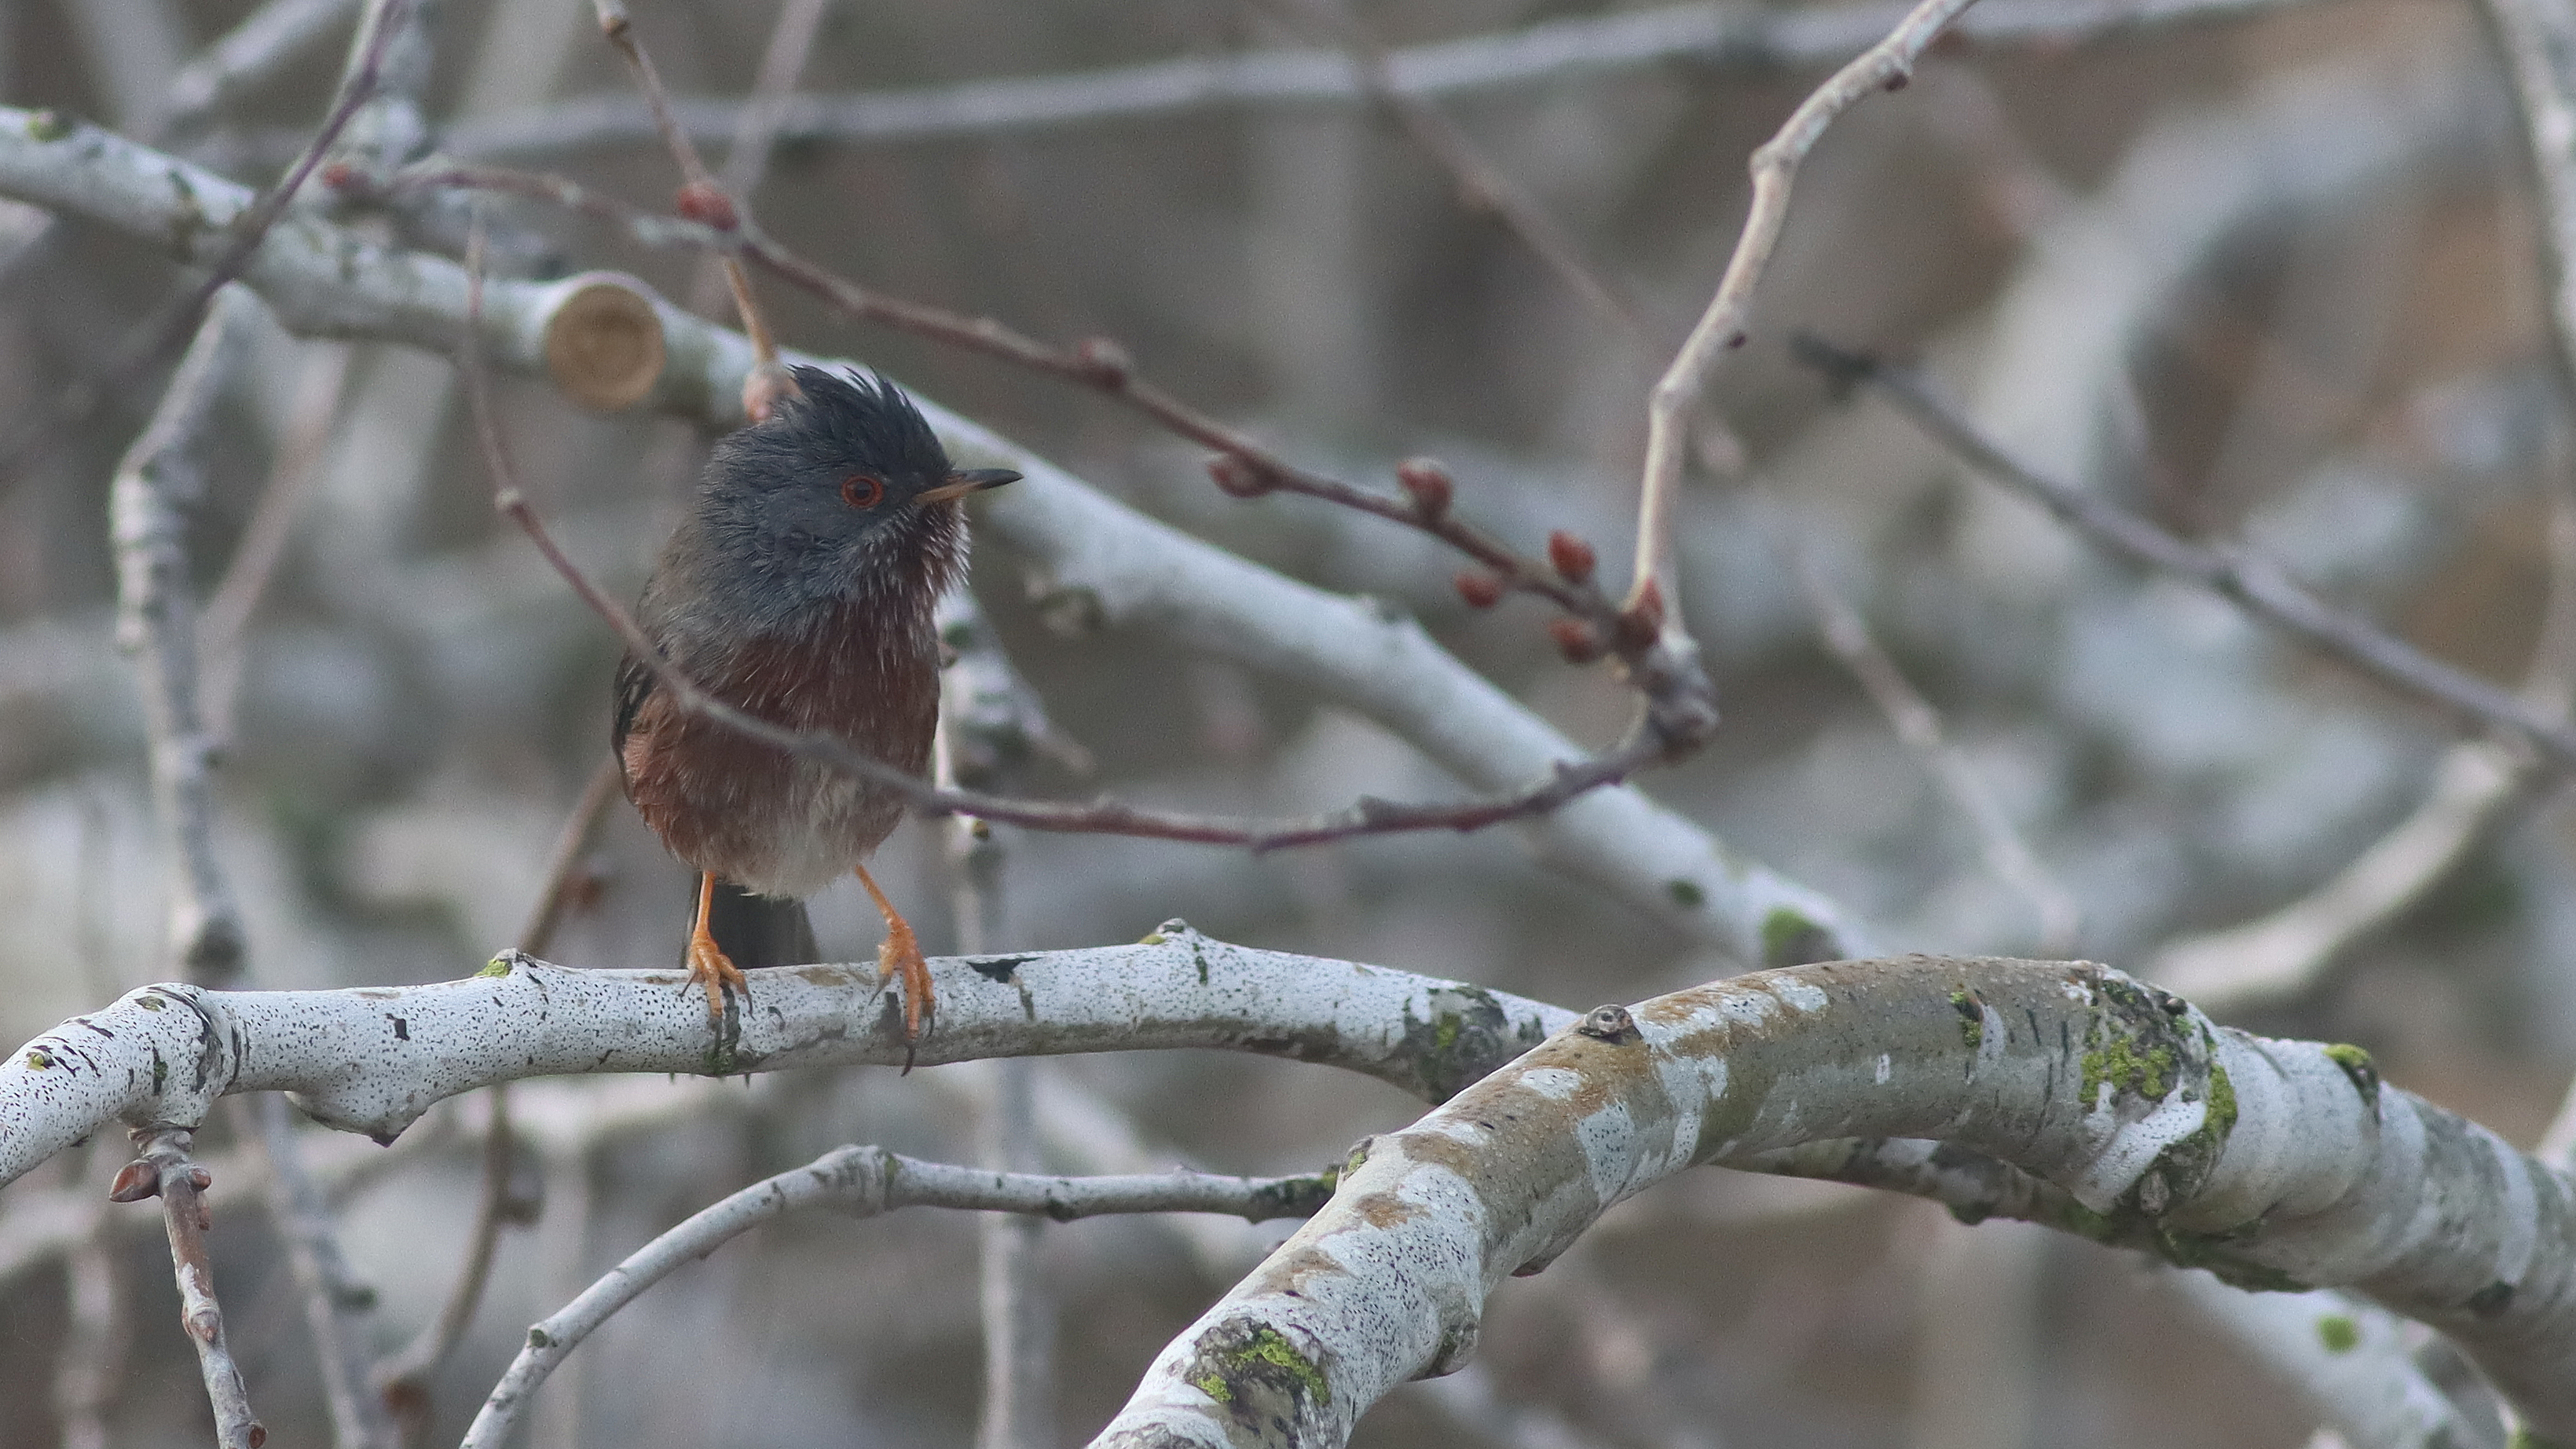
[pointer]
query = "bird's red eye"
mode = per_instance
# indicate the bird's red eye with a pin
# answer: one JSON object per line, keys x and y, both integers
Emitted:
{"x": 860, "y": 490}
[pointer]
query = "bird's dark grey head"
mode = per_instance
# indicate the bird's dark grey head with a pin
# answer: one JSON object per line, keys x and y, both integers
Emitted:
{"x": 843, "y": 494}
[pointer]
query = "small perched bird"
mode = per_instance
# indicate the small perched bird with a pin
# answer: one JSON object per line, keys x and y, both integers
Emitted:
{"x": 799, "y": 589}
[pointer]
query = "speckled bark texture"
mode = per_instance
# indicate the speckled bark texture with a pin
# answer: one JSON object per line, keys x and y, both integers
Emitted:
{"x": 372, "y": 1060}
{"x": 2276, "y": 1164}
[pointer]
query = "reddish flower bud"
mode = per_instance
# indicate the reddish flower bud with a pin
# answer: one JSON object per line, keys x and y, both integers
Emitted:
{"x": 1572, "y": 556}
{"x": 1428, "y": 484}
{"x": 705, "y": 203}
{"x": 1237, "y": 478}
{"x": 135, "y": 1181}
{"x": 337, "y": 175}
{"x": 1105, "y": 361}
{"x": 1579, "y": 642}
{"x": 1481, "y": 590}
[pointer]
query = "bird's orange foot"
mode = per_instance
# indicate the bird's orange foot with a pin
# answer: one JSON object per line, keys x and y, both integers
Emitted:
{"x": 713, "y": 971}
{"x": 901, "y": 956}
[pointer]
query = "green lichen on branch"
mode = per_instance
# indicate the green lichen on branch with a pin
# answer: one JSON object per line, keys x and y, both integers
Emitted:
{"x": 1467, "y": 1036}
{"x": 1790, "y": 939}
{"x": 2125, "y": 1066}
{"x": 2357, "y": 1065}
{"x": 1257, "y": 1373}
{"x": 1972, "y": 1017}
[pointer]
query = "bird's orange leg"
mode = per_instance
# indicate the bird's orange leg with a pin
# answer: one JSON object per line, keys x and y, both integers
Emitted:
{"x": 901, "y": 955}
{"x": 709, "y": 967}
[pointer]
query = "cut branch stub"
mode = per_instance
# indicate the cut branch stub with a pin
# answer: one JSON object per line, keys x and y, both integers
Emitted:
{"x": 603, "y": 341}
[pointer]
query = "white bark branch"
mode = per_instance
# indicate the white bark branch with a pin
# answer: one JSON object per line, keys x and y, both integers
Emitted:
{"x": 1108, "y": 562}
{"x": 2275, "y": 1163}
{"x": 158, "y": 480}
{"x": 865, "y": 1182}
{"x": 373, "y": 1059}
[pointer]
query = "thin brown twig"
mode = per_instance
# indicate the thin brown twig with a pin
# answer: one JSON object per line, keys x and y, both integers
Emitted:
{"x": 755, "y": 132}
{"x": 1681, "y": 713}
{"x": 1366, "y": 816}
{"x": 35, "y": 431}
{"x": 1918, "y": 724}
{"x": 1888, "y": 65}
{"x": 163, "y": 1169}
{"x": 2253, "y": 583}
{"x": 1482, "y": 186}
{"x": 704, "y": 197}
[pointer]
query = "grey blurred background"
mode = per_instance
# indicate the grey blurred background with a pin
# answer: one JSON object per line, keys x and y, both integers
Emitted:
{"x": 2269, "y": 277}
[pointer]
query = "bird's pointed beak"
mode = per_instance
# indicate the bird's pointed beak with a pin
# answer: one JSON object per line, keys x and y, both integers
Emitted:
{"x": 971, "y": 480}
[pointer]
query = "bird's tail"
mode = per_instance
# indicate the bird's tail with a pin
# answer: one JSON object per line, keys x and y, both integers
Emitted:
{"x": 757, "y": 931}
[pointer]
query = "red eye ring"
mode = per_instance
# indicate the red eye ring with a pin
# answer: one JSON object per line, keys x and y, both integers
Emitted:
{"x": 861, "y": 490}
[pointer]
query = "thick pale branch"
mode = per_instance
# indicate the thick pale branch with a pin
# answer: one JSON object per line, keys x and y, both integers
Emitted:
{"x": 373, "y": 1059}
{"x": 2275, "y": 1163}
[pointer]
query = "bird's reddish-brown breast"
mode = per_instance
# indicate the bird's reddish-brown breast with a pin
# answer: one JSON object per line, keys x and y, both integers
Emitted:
{"x": 758, "y": 816}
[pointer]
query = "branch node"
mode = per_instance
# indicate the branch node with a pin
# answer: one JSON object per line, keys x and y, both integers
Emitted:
{"x": 1104, "y": 362}
{"x": 705, "y": 203}
{"x": 1238, "y": 477}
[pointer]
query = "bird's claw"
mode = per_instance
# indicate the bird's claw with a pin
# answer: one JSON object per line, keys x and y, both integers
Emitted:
{"x": 714, "y": 972}
{"x": 900, "y": 956}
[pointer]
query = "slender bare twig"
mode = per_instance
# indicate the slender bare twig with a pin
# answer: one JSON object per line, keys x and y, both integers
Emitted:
{"x": 95, "y": 1333}
{"x": 1847, "y": 635}
{"x": 1681, "y": 713}
{"x": 156, "y": 483}
{"x": 865, "y": 1182}
{"x": 1482, "y": 187}
{"x": 2252, "y": 582}
{"x": 163, "y": 1169}
{"x": 1367, "y": 816}
{"x": 986, "y": 712}
{"x": 1884, "y": 66}
{"x": 2476, "y": 786}
{"x": 1706, "y": 36}
{"x": 403, "y": 1379}
{"x": 557, "y": 897}
{"x": 222, "y": 627}
{"x": 267, "y": 40}
{"x": 755, "y": 131}
{"x": 705, "y": 198}
{"x": 36, "y": 429}
{"x": 334, "y": 1301}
